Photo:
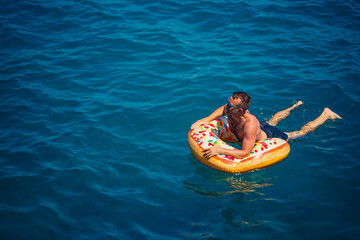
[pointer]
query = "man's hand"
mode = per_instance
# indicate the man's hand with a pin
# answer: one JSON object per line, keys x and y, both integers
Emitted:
{"x": 198, "y": 123}
{"x": 212, "y": 151}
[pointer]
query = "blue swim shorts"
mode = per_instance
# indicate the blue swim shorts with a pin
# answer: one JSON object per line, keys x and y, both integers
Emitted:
{"x": 272, "y": 132}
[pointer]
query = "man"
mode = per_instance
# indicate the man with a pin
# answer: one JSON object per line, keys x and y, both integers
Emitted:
{"x": 249, "y": 130}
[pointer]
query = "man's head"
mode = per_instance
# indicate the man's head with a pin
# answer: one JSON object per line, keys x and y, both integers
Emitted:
{"x": 242, "y": 99}
{"x": 238, "y": 103}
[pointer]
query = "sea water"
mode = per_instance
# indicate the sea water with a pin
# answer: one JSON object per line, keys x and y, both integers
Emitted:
{"x": 97, "y": 98}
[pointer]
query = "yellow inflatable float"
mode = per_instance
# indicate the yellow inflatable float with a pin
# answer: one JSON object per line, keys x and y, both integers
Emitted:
{"x": 264, "y": 154}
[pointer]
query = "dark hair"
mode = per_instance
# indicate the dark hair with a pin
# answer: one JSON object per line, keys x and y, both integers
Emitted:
{"x": 245, "y": 99}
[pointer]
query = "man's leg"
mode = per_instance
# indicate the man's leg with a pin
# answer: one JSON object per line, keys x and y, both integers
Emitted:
{"x": 282, "y": 114}
{"x": 311, "y": 126}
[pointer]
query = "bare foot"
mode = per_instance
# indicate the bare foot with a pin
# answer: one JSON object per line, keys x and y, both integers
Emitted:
{"x": 298, "y": 103}
{"x": 331, "y": 114}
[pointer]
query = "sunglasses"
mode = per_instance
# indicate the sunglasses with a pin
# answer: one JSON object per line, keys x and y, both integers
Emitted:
{"x": 229, "y": 105}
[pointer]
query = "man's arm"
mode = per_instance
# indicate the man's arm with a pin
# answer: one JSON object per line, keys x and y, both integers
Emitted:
{"x": 247, "y": 146}
{"x": 216, "y": 114}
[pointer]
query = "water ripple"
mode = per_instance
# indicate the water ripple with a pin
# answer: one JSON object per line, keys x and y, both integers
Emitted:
{"x": 97, "y": 98}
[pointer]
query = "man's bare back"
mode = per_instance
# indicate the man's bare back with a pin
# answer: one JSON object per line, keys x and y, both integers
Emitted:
{"x": 238, "y": 126}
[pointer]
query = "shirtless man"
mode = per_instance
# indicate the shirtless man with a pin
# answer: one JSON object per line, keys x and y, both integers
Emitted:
{"x": 249, "y": 130}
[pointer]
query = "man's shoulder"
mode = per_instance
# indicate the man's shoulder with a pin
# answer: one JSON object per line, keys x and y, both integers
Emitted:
{"x": 252, "y": 122}
{"x": 251, "y": 119}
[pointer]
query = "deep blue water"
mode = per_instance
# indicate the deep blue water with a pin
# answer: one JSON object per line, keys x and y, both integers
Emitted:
{"x": 97, "y": 98}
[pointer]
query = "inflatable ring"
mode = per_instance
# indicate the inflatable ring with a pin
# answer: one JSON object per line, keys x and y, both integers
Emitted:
{"x": 264, "y": 154}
